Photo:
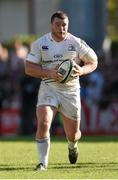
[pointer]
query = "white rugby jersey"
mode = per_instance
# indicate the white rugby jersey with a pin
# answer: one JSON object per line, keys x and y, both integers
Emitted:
{"x": 50, "y": 53}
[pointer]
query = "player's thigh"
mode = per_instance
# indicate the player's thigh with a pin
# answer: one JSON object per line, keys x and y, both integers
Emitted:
{"x": 47, "y": 96}
{"x": 46, "y": 105}
{"x": 45, "y": 115}
{"x": 70, "y": 105}
{"x": 72, "y": 128}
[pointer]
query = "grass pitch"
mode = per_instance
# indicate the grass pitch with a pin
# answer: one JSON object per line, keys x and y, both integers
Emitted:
{"x": 98, "y": 159}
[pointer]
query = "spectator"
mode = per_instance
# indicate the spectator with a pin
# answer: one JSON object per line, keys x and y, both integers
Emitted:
{"x": 95, "y": 86}
{"x": 4, "y": 75}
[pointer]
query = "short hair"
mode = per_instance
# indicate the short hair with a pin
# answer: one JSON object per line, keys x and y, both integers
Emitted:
{"x": 59, "y": 14}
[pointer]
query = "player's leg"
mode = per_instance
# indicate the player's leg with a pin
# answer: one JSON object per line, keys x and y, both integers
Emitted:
{"x": 46, "y": 110}
{"x": 71, "y": 113}
{"x": 45, "y": 115}
{"x": 73, "y": 134}
{"x": 72, "y": 128}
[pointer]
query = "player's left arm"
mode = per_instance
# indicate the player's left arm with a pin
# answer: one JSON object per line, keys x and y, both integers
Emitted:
{"x": 90, "y": 64}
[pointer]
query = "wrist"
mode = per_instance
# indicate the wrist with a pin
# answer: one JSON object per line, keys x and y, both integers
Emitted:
{"x": 45, "y": 73}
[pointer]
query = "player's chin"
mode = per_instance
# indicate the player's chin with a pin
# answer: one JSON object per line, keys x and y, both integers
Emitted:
{"x": 62, "y": 35}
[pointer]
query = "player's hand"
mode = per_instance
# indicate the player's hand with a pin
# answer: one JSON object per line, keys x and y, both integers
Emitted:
{"x": 77, "y": 71}
{"x": 53, "y": 74}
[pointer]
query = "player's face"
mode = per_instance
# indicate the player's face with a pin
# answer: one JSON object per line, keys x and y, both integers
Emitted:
{"x": 59, "y": 29}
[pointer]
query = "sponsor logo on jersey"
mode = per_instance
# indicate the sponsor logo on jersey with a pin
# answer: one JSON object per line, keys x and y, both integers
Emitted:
{"x": 58, "y": 56}
{"x": 45, "y": 48}
{"x": 32, "y": 54}
{"x": 51, "y": 61}
{"x": 71, "y": 47}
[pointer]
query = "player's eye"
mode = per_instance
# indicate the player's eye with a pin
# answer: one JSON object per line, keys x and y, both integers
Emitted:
{"x": 57, "y": 25}
{"x": 64, "y": 25}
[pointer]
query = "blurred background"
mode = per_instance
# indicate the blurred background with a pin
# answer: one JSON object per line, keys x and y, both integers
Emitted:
{"x": 21, "y": 22}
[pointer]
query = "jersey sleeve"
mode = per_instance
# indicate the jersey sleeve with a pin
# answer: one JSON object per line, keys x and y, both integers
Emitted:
{"x": 35, "y": 53}
{"x": 83, "y": 48}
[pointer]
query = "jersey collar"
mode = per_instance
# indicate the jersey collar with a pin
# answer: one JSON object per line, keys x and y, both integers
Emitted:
{"x": 51, "y": 39}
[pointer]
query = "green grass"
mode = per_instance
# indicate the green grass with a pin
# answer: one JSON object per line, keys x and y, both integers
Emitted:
{"x": 98, "y": 159}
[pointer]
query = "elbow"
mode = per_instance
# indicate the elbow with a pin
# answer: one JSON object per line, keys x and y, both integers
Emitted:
{"x": 94, "y": 60}
{"x": 96, "y": 64}
{"x": 27, "y": 70}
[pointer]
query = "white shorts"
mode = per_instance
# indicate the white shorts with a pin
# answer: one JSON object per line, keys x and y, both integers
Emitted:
{"x": 67, "y": 102}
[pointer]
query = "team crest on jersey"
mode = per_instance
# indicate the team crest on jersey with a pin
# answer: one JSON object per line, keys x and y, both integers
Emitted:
{"x": 71, "y": 47}
{"x": 45, "y": 48}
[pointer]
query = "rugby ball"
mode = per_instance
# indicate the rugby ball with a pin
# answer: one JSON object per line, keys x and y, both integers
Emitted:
{"x": 65, "y": 68}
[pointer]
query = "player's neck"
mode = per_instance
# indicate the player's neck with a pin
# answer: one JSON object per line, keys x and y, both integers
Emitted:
{"x": 58, "y": 39}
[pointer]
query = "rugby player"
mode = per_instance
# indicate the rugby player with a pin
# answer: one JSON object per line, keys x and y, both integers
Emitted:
{"x": 42, "y": 61}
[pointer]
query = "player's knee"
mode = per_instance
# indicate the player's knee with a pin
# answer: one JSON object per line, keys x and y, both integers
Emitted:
{"x": 44, "y": 126}
{"x": 42, "y": 130}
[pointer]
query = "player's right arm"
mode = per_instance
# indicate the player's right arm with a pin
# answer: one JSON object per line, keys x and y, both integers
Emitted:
{"x": 33, "y": 66}
{"x": 36, "y": 70}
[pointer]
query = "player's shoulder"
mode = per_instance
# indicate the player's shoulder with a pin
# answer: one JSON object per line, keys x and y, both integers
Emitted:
{"x": 41, "y": 39}
{"x": 73, "y": 38}
{"x": 76, "y": 39}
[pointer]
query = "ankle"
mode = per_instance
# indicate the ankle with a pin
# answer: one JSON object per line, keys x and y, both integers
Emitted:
{"x": 72, "y": 144}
